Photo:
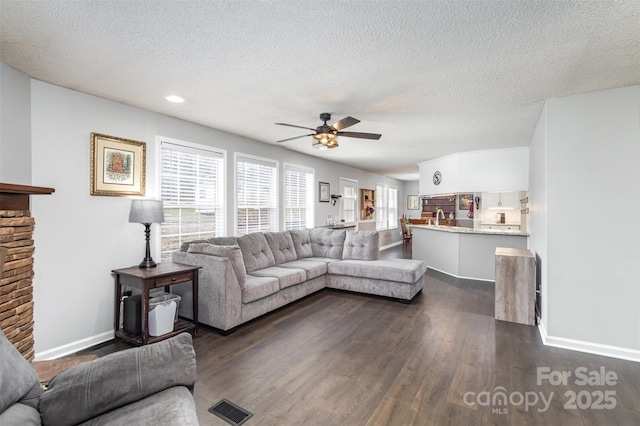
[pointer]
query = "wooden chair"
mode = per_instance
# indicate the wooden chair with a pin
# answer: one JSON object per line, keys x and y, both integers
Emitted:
{"x": 406, "y": 232}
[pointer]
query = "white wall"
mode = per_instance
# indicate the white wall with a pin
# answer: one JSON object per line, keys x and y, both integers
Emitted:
{"x": 410, "y": 188}
{"x": 80, "y": 238}
{"x": 477, "y": 171}
{"x": 538, "y": 207}
{"x": 504, "y": 169}
{"x": 448, "y": 167}
{"x": 15, "y": 126}
{"x": 585, "y": 175}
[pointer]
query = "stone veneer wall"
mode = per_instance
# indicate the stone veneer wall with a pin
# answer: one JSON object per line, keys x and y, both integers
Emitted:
{"x": 16, "y": 291}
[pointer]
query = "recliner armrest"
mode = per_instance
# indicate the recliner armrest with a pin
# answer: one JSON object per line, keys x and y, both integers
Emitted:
{"x": 97, "y": 387}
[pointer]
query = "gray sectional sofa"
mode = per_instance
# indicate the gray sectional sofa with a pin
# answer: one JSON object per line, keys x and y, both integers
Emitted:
{"x": 245, "y": 277}
{"x": 150, "y": 385}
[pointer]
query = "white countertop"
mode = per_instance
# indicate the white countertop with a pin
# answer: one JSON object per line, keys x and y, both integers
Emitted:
{"x": 463, "y": 230}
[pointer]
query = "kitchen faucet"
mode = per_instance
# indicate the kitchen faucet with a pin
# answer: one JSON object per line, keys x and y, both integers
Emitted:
{"x": 438, "y": 216}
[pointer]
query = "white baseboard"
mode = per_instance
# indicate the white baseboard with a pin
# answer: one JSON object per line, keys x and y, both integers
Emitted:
{"x": 73, "y": 347}
{"x": 464, "y": 278}
{"x": 588, "y": 347}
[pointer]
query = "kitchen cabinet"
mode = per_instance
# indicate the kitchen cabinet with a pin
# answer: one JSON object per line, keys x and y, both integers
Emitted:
{"x": 504, "y": 200}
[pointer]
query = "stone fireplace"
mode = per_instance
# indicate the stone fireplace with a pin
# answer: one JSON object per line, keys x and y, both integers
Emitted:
{"x": 16, "y": 289}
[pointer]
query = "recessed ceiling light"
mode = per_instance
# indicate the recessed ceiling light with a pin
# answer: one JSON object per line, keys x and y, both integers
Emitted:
{"x": 175, "y": 99}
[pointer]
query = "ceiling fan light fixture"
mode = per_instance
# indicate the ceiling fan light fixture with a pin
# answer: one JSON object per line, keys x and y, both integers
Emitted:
{"x": 319, "y": 145}
{"x": 325, "y": 137}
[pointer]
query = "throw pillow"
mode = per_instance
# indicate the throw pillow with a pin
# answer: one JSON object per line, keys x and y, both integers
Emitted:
{"x": 361, "y": 245}
{"x": 232, "y": 253}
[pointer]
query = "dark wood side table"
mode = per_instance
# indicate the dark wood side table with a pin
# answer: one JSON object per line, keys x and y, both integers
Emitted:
{"x": 163, "y": 275}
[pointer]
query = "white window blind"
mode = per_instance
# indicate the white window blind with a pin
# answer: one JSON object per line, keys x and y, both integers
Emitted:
{"x": 256, "y": 195}
{"x": 298, "y": 197}
{"x": 382, "y": 207}
{"x": 393, "y": 207}
{"x": 349, "y": 200}
{"x": 192, "y": 190}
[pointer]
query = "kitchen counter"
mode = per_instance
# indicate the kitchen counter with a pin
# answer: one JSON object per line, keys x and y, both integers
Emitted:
{"x": 464, "y": 230}
{"x": 341, "y": 226}
{"x": 463, "y": 252}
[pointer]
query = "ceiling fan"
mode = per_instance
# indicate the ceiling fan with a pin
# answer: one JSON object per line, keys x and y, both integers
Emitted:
{"x": 326, "y": 136}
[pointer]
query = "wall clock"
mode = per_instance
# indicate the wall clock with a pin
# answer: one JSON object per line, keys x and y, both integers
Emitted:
{"x": 437, "y": 178}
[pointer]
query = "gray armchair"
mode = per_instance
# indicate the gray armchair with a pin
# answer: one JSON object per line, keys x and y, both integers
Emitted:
{"x": 148, "y": 385}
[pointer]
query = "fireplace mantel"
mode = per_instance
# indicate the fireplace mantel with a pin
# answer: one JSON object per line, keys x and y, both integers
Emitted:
{"x": 16, "y": 197}
{"x": 16, "y": 290}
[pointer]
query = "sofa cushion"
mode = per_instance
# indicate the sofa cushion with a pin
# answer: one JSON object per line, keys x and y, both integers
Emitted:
{"x": 92, "y": 389}
{"x": 281, "y": 246}
{"x": 173, "y": 406}
{"x": 398, "y": 270}
{"x": 322, "y": 259}
{"x": 219, "y": 241}
{"x": 301, "y": 242}
{"x": 361, "y": 245}
{"x": 313, "y": 268}
{"x": 286, "y": 276}
{"x": 256, "y": 252}
{"x": 20, "y": 415}
{"x": 327, "y": 242}
{"x": 18, "y": 380}
{"x": 233, "y": 253}
{"x": 259, "y": 287}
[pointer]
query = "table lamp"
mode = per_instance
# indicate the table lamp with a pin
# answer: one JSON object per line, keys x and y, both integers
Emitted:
{"x": 147, "y": 212}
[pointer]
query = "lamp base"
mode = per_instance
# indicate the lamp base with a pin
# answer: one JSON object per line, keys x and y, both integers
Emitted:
{"x": 147, "y": 263}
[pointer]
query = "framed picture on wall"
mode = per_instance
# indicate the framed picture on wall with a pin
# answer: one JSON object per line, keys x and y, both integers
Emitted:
{"x": 413, "y": 202}
{"x": 117, "y": 166}
{"x": 464, "y": 201}
{"x": 324, "y": 193}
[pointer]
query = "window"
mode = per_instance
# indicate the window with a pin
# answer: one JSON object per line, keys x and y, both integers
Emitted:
{"x": 298, "y": 197}
{"x": 382, "y": 209}
{"x": 192, "y": 190}
{"x": 349, "y": 191}
{"x": 386, "y": 206}
{"x": 256, "y": 195}
{"x": 393, "y": 207}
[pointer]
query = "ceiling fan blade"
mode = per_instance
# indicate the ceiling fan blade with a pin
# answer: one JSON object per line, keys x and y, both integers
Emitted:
{"x": 360, "y": 135}
{"x": 344, "y": 123}
{"x": 295, "y": 137}
{"x": 293, "y": 125}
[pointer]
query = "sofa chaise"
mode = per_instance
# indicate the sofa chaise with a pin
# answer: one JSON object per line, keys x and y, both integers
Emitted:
{"x": 245, "y": 277}
{"x": 150, "y": 385}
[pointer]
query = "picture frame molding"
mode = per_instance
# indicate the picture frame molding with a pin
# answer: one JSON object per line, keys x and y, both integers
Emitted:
{"x": 413, "y": 202}
{"x": 464, "y": 201}
{"x": 324, "y": 192}
{"x": 100, "y": 144}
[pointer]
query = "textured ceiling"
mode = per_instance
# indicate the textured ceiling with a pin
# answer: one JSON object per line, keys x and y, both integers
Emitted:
{"x": 433, "y": 77}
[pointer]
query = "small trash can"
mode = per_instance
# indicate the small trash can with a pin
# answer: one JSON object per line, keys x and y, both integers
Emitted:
{"x": 160, "y": 320}
{"x": 163, "y": 312}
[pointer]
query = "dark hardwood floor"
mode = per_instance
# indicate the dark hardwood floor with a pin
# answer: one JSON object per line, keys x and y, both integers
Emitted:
{"x": 340, "y": 358}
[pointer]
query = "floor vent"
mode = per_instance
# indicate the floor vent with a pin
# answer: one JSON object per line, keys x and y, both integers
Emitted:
{"x": 230, "y": 412}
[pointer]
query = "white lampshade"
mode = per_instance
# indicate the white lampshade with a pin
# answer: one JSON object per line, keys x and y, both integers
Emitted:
{"x": 146, "y": 211}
